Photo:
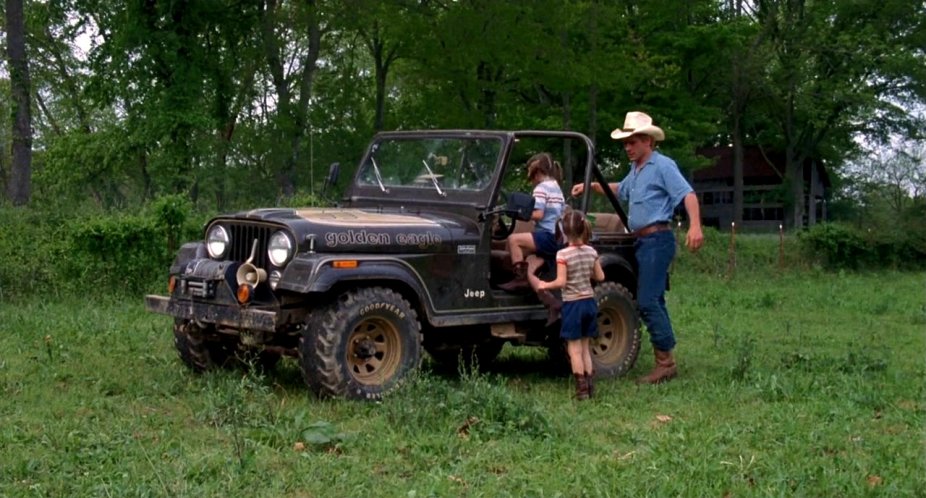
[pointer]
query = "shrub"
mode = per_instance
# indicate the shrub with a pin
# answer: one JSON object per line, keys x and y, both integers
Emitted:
{"x": 838, "y": 246}
{"x": 117, "y": 252}
{"x": 50, "y": 250}
{"x": 32, "y": 248}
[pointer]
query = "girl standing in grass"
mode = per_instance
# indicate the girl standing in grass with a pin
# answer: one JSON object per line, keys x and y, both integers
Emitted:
{"x": 576, "y": 265}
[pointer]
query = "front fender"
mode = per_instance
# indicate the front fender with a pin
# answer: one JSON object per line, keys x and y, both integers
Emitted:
{"x": 318, "y": 275}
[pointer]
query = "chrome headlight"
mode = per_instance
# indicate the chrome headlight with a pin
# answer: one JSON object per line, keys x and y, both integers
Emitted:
{"x": 217, "y": 241}
{"x": 280, "y": 248}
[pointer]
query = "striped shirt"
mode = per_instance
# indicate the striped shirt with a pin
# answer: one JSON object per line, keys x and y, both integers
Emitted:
{"x": 548, "y": 197}
{"x": 580, "y": 266}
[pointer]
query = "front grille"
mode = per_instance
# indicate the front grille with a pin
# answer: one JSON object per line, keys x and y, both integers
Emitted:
{"x": 242, "y": 239}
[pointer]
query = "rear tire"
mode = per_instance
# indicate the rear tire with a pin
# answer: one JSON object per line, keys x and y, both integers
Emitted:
{"x": 617, "y": 346}
{"x": 361, "y": 346}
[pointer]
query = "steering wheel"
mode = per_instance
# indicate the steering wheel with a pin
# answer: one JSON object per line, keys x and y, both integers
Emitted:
{"x": 504, "y": 223}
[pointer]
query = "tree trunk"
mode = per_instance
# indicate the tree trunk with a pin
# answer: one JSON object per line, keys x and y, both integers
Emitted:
{"x": 737, "y": 168}
{"x": 20, "y": 183}
{"x": 293, "y": 116}
{"x": 593, "y": 112}
{"x": 380, "y": 71}
{"x": 795, "y": 174}
{"x": 739, "y": 110}
{"x": 812, "y": 197}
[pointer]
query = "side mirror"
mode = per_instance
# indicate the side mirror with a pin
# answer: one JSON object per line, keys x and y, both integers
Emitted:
{"x": 333, "y": 172}
{"x": 520, "y": 206}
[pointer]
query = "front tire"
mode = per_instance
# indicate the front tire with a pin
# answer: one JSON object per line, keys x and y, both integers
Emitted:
{"x": 361, "y": 346}
{"x": 198, "y": 349}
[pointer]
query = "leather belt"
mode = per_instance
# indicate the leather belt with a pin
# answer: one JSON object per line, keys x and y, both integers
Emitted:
{"x": 651, "y": 229}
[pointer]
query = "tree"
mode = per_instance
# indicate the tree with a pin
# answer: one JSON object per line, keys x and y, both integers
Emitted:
{"x": 895, "y": 173}
{"x": 20, "y": 182}
{"x": 744, "y": 44}
{"x": 383, "y": 29}
{"x": 838, "y": 69}
{"x": 292, "y": 70}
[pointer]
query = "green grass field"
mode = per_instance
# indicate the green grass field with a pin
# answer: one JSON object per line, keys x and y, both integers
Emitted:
{"x": 800, "y": 384}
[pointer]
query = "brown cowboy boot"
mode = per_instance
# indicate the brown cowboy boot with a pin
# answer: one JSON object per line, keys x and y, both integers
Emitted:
{"x": 590, "y": 378}
{"x": 581, "y": 386}
{"x": 663, "y": 371}
{"x": 553, "y": 305}
{"x": 520, "y": 278}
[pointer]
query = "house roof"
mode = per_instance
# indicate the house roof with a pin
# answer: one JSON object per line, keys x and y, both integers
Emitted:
{"x": 756, "y": 166}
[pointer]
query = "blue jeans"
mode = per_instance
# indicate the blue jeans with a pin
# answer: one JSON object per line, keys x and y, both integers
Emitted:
{"x": 654, "y": 254}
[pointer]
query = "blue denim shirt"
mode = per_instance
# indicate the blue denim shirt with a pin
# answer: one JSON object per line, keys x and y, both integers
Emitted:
{"x": 653, "y": 192}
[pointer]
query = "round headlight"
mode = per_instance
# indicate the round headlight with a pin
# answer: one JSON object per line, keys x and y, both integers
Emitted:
{"x": 280, "y": 248}
{"x": 217, "y": 241}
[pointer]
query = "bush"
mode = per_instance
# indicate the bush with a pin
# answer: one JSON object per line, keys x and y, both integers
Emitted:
{"x": 54, "y": 250}
{"x": 838, "y": 246}
{"x": 32, "y": 248}
{"x": 131, "y": 251}
{"x": 117, "y": 251}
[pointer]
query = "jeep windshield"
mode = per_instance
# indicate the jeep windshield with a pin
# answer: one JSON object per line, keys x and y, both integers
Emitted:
{"x": 438, "y": 164}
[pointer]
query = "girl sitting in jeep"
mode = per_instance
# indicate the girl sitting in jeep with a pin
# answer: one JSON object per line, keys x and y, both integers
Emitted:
{"x": 544, "y": 173}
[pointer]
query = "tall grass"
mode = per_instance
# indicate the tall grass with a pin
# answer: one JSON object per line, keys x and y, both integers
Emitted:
{"x": 794, "y": 384}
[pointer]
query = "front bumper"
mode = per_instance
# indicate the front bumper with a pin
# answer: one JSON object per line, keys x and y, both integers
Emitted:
{"x": 229, "y": 316}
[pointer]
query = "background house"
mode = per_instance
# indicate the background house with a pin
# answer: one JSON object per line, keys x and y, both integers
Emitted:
{"x": 765, "y": 195}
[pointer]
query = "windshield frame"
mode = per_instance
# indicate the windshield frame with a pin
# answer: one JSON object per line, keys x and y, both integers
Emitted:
{"x": 362, "y": 189}
{"x": 360, "y": 194}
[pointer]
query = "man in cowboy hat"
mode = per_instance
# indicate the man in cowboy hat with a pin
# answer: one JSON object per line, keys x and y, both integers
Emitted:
{"x": 652, "y": 189}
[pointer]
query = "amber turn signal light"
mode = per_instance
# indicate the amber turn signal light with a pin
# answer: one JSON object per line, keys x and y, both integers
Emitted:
{"x": 171, "y": 284}
{"x": 245, "y": 293}
{"x": 345, "y": 263}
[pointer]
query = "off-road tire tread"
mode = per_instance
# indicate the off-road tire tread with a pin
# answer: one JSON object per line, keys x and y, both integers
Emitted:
{"x": 602, "y": 291}
{"x": 319, "y": 343}
{"x": 192, "y": 347}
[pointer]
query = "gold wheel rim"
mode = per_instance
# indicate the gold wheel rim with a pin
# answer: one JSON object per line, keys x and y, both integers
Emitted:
{"x": 612, "y": 332}
{"x": 374, "y": 351}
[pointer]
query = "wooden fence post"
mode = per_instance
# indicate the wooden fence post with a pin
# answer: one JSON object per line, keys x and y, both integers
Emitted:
{"x": 781, "y": 246}
{"x": 732, "y": 264}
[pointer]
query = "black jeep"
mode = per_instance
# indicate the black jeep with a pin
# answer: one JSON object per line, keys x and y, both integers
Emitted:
{"x": 411, "y": 257}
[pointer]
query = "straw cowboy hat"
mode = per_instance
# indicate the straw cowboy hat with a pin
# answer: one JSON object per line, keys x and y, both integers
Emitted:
{"x": 638, "y": 123}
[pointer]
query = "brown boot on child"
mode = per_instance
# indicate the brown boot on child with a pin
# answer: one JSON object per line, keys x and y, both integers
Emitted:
{"x": 581, "y": 386}
{"x": 520, "y": 279}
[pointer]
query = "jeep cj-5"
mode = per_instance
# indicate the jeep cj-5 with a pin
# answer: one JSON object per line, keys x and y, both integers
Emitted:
{"x": 410, "y": 258}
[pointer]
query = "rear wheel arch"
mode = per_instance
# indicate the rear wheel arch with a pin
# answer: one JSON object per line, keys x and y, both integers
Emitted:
{"x": 618, "y": 270}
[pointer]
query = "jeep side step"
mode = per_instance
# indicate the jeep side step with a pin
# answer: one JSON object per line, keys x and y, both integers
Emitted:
{"x": 507, "y": 331}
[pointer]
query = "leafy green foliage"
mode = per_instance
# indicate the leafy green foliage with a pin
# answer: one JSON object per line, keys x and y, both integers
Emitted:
{"x": 79, "y": 165}
{"x": 31, "y": 248}
{"x": 839, "y": 246}
{"x": 236, "y": 105}
{"x": 117, "y": 250}
{"x": 52, "y": 251}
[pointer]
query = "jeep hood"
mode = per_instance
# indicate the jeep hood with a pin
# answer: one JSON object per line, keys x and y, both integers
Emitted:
{"x": 371, "y": 230}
